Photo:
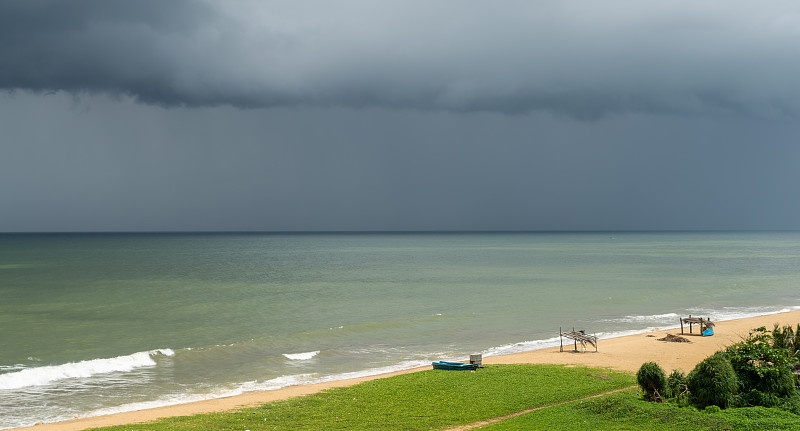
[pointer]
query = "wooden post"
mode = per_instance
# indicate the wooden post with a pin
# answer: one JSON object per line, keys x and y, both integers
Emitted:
{"x": 561, "y": 339}
{"x": 681, "y": 319}
{"x": 576, "y": 340}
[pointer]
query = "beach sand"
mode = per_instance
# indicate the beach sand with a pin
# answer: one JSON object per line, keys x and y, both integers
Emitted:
{"x": 622, "y": 353}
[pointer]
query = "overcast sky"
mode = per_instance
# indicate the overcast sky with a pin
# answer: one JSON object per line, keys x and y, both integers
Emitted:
{"x": 154, "y": 115}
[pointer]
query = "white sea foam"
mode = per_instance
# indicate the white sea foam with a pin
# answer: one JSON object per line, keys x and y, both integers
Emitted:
{"x": 307, "y": 379}
{"x": 168, "y": 400}
{"x": 40, "y": 376}
{"x": 523, "y": 346}
{"x": 526, "y": 346}
{"x": 731, "y": 313}
{"x": 312, "y": 378}
{"x": 669, "y": 320}
{"x": 725, "y": 313}
{"x": 301, "y": 356}
{"x": 267, "y": 385}
{"x": 647, "y": 318}
{"x": 174, "y": 399}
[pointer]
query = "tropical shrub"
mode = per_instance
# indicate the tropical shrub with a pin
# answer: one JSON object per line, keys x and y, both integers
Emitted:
{"x": 757, "y": 398}
{"x": 787, "y": 338}
{"x": 676, "y": 384}
{"x": 764, "y": 367}
{"x": 757, "y": 371}
{"x": 791, "y": 404}
{"x": 653, "y": 380}
{"x": 713, "y": 382}
{"x": 783, "y": 337}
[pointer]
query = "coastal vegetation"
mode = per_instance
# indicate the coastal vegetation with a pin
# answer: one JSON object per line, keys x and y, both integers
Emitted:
{"x": 625, "y": 411}
{"x": 787, "y": 337}
{"x": 653, "y": 380}
{"x": 757, "y": 371}
{"x": 713, "y": 382}
{"x": 506, "y": 397}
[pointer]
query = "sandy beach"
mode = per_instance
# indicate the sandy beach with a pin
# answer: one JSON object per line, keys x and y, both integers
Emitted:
{"x": 622, "y": 353}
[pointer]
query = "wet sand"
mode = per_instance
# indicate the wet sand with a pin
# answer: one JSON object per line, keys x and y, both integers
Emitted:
{"x": 622, "y": 353}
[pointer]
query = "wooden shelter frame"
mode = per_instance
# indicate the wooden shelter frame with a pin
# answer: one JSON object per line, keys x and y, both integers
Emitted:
{"x": 704, "y": 323}
{"x": 577, "y": 336}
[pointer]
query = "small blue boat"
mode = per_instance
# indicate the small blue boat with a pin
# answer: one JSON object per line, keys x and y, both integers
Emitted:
{"x": 443, "y": 365}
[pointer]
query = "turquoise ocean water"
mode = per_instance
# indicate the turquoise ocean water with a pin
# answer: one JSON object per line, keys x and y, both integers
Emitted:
{"x": 102, "y": 323}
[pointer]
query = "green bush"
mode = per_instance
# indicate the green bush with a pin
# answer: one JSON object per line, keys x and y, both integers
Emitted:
{"x": 764, "y": 365}
{"x": 712, "y": 409}
{"x": 757, "y": 398}
{"x": 787, "y": 338}
{"x": 754, "y": 372}
{"x": 713, "y": 382}
{"x": 676, "y": 384}
{"x": 791, "y": 404}
{"x": 653, "y": 380}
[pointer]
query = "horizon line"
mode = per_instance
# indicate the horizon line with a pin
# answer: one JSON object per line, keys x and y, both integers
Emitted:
{"x": 395, "y": 231}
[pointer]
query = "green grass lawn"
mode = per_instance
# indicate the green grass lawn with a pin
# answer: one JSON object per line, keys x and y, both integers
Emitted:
{"x": 431, "y": 399}
{"x": 438, "y": 400}
{"x": 626, "y": 411}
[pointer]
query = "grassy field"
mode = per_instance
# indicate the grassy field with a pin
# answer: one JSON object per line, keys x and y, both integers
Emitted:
{"x": 621, "y": 411}
{"x": 439, "y": 400}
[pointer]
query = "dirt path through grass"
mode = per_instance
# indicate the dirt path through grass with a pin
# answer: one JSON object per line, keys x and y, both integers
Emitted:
{"x": 513, "y": 415}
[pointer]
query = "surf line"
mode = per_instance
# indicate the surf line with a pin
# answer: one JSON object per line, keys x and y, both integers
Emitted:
{"x": 520, "y": 413}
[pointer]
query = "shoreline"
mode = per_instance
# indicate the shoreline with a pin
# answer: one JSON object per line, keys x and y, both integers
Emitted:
{"x": 624, "y": 353}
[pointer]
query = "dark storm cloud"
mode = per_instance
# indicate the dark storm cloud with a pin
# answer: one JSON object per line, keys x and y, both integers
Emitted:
{"x": 581, "y": 59}
{"x": 101, "y": 164}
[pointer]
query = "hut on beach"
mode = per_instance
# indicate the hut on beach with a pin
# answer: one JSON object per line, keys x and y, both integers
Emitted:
{"x": 578, "y": 337}
{"x": 706, "y": 324}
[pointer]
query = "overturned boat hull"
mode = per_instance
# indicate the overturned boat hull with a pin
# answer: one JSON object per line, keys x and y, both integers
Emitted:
{"x": 443, "y": 365}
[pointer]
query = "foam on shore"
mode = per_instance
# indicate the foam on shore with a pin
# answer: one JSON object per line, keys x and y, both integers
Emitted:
{"x": 40, "y": 376}
{"x": 625, "y": 350}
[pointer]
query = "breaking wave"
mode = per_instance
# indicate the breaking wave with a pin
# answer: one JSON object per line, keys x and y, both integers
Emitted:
{"x": 301, "y": 356}
{"x": 720, "y": 314}
{"x": 40, "y": 376}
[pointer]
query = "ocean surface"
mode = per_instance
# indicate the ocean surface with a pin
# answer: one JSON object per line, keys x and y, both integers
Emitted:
{"x": 94, "y": 324}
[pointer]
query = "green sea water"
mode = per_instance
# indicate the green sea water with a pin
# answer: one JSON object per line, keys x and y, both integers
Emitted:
{"x": 99, "y": 323}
